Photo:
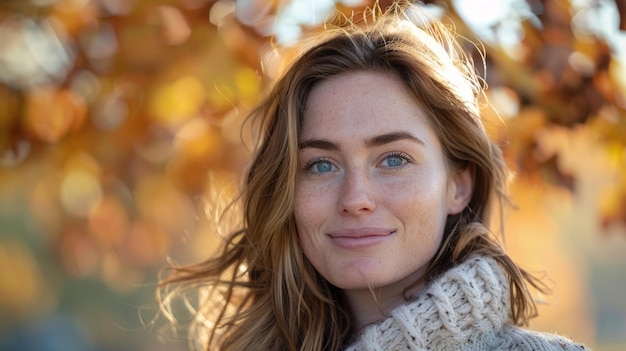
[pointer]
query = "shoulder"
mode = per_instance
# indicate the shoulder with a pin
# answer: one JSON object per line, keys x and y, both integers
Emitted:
{"x": 515, "y": 338}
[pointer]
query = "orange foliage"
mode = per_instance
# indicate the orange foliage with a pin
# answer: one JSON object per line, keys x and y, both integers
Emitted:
{"x": 112, "y": 114}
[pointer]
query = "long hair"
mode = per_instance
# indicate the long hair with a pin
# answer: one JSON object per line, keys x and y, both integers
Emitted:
{"x": 260, "y": 292}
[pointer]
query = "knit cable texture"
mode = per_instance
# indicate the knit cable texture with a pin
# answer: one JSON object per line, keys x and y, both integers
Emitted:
{"x": 467, "y": 308}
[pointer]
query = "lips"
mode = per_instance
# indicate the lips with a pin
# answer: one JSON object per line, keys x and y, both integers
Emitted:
{"x": 360, "y": 238}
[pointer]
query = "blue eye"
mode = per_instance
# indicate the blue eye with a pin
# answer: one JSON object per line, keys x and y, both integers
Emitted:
{"x": 394, "y": 161}
{"x": 323, "y": 167}
{"x": 319, "y": 166}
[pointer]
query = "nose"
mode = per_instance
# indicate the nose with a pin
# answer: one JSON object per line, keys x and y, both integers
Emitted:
{"x": 356, "y": 193}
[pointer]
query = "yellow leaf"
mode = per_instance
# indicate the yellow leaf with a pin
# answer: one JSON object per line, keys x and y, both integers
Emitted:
{"x": 177, "y": 102}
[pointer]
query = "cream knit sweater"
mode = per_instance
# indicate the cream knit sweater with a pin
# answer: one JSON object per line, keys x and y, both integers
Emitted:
{"x": 467, "y": 309}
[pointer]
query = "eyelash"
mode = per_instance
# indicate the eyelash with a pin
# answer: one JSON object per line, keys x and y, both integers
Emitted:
{"x": 307, "y": 167}
{"x": 401, "y": 155}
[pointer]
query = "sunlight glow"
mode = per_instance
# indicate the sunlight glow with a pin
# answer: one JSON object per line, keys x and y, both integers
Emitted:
{"x": 495, "y": 21}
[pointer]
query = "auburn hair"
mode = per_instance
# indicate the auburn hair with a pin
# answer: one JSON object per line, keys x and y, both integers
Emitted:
{"x": 260, "y": 292}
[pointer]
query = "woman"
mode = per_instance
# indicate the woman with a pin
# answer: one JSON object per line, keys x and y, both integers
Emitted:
{"x": 366, "y": 206}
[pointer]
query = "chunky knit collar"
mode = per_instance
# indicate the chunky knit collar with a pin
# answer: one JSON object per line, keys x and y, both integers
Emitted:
{"x": 465, "y": 305}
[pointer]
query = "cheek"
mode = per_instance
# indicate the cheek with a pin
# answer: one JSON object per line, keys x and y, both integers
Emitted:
{"x": 300, "y": 205}
{"x": 305, "y": 210}
{"x": 312, "y": 201}
{"x": 423, "y": 202}
{"x": 419, "y": 190}
{"x": 306, "y": 224}
{"x": 312, "y": 209}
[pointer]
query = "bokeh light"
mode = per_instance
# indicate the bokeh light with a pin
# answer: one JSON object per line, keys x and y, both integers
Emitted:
{"x": 120, "y": 145}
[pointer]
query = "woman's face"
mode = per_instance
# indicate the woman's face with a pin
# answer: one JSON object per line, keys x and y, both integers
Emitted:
{"x": 373, "y": 191}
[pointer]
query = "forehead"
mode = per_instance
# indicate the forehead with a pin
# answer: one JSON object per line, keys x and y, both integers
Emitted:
{"x": 368, "y": 103}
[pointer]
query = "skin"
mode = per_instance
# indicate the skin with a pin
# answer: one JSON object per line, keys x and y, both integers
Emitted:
{"x": 374, "y": 190}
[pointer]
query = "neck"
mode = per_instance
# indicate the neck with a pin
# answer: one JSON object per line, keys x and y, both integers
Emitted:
{"x": 369, "y": 306}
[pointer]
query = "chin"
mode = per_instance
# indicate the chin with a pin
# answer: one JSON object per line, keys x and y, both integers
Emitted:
{"x": 359, "y": 284}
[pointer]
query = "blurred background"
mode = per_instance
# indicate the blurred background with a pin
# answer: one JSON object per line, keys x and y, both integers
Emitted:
{"x": 119, "y": 121}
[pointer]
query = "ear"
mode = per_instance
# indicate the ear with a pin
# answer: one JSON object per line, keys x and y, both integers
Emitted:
{"x": 460, "y": 189}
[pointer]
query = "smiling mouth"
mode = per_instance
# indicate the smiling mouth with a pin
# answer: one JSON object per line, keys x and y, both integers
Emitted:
{"x": 360, "y": 239}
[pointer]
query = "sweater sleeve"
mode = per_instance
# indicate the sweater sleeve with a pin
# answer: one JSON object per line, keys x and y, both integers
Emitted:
{"x": 518, "y": 339}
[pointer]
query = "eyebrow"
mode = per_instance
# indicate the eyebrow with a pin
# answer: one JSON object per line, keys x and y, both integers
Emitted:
{"x": 371, "y": 142}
